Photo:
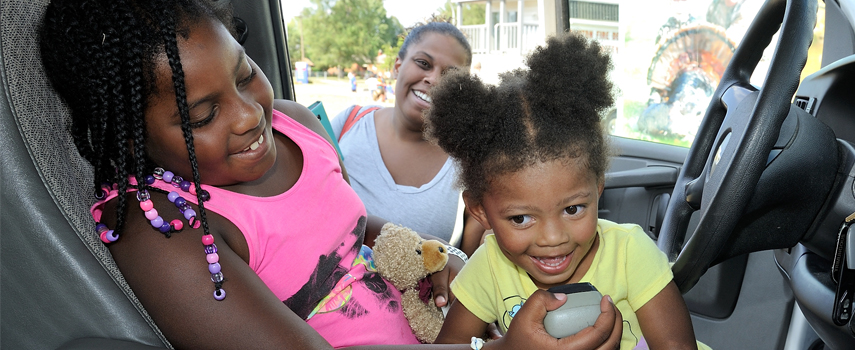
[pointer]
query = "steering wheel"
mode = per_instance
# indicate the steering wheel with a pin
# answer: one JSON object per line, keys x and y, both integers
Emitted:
{"x": 735, "y": 138}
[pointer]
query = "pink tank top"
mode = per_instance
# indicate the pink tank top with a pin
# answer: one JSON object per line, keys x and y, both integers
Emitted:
{"x": 306, "y": 245}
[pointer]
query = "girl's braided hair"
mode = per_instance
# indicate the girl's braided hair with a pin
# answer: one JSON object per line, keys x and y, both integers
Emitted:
{"x": 100, "y": 55}
{"x": 550, "y": 111}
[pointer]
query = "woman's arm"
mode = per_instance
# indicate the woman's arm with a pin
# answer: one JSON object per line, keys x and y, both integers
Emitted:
{"x": 473, "y": 234}
{"x": 372, "y": 229}
{"x": 665, "y": 321}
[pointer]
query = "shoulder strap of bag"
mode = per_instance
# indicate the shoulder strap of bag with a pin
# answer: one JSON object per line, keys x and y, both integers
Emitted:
{"x": 354, "y": 117}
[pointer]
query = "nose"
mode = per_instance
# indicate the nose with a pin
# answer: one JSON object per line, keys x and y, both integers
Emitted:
{"x": 552, "y": 235}
{"x": 432, "y": 76}
{"x": 247, "y": 115}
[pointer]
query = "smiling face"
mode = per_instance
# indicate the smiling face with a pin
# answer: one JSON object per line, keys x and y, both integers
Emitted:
{"x": 230, "y": 103}
{"x": 544, "y": 218}
{"x": 420, "y": 69}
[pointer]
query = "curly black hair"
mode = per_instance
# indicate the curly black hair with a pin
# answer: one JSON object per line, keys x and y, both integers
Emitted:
{"x": 550, "y": 111}
{"x": 100, "y": 56}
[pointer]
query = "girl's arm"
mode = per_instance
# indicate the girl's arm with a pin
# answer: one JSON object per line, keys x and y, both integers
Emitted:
{"x": 460, "y": 325}
{"x": 170, "y": 277}
{"x": 527, "y": 332}
{"x": 665, "y": 321}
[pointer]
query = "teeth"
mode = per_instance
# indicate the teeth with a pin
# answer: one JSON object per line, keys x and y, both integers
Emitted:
{"x": 552, "y": 261}
{"x": 422, "y": 95}
{"x": 254, "y": 145}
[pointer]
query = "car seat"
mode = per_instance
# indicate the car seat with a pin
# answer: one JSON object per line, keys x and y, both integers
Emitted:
{"x": 60, "y": 286}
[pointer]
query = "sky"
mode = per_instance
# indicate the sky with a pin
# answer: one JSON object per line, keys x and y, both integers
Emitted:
{"x": 408, "y": 12}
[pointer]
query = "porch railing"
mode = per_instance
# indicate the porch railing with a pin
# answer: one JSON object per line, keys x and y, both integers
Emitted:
{"x": 477, "y": 36}
{"x": 505, "y": 38}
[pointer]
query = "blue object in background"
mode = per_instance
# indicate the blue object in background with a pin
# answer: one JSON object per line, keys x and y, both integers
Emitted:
{"x": 302, "y": 72}
{"x": 318, "y": 109}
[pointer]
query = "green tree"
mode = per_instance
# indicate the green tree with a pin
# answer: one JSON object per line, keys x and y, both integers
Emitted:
{"x": 391, "y": 53}
{"x": 295, "y": 40}
{"x": 338, "y": 33}
{"x": 472, "y": 13}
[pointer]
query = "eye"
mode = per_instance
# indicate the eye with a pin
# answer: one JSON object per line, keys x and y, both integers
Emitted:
{"x": 574, "y": 209}
{"x": 422, "y": 63}
{"x": 419, "y": 251}
{"x": 520, "y": 220}
{"x": 248, "y": 79}
{"x": 207, "y": 119}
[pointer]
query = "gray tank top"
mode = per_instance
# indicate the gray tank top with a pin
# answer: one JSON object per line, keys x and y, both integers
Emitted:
{"x": 433, "y": 208}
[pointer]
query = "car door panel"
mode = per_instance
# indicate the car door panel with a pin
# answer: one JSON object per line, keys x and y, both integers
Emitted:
{"x": 733, "y": 305}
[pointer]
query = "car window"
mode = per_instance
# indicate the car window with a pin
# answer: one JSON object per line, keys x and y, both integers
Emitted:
{"x": 669, "y": 56}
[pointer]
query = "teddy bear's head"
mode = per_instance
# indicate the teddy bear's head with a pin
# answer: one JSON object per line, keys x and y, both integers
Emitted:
{"x": 404, "y": 258}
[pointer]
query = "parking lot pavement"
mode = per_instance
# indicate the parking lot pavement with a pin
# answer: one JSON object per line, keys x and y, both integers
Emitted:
{"x": 336, "y": 95}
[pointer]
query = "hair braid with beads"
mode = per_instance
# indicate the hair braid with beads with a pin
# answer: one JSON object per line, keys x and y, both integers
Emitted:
{"x": 100, "y": 56}
{"x": 171, "y": 48}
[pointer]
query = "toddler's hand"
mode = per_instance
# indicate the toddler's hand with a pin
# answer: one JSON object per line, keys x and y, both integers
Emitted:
{"x": 608, "y": 327}
{"x": 527, "y": 331}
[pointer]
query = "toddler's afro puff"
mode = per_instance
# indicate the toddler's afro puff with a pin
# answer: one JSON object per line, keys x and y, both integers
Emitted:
{"x": 547, "y": 112}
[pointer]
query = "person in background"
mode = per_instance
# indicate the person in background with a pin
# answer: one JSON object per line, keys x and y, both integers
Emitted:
{"x": 398, "y": 174}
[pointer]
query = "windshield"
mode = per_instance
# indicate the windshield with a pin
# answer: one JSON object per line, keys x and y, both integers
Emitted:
{"x": 668, "y": 55}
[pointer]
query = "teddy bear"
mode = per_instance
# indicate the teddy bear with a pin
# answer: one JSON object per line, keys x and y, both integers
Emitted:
{"x": 404, "y": 258}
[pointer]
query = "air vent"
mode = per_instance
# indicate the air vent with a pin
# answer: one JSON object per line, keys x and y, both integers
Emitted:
{"x": 805, "y": 103}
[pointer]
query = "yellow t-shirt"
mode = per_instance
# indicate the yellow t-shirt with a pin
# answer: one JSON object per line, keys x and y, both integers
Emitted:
{"x": 628, "y": 267}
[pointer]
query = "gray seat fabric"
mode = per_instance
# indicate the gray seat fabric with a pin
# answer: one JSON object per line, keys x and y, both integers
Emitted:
{"x": 59, "y": 282}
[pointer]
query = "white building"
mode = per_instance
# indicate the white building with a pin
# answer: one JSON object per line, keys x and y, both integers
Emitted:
{"x": 513, "y": 28}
